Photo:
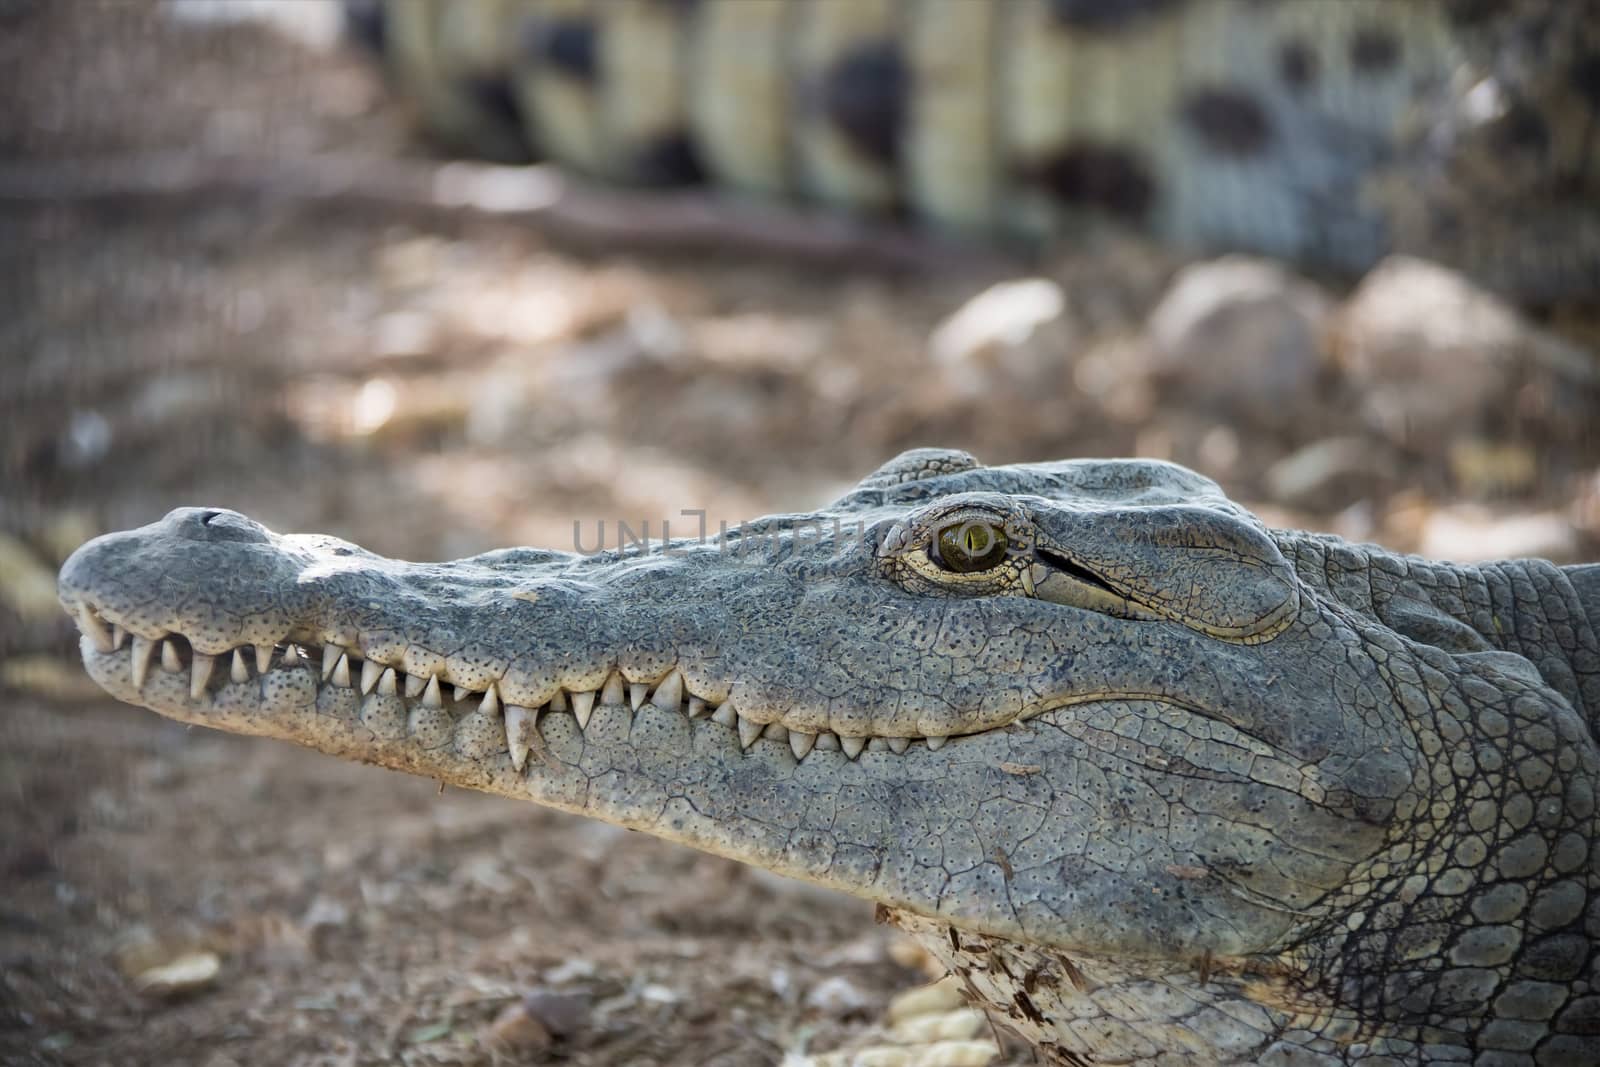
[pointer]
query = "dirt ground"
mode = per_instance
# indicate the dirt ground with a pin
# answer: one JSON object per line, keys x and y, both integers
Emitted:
{"x": 435, "y": 383}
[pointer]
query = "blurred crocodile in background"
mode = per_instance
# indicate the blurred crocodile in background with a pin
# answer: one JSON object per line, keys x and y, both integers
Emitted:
{"x": 1158, "y": 783}
{"x": 1325, "y": 133}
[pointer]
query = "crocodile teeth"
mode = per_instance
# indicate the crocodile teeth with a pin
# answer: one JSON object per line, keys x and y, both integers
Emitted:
{"x": 371, "y": 671}
{"x": 697, "y": 707}
{"x": 852, "y": 745}
{"x": 801, "y": 743}
{"x": 612, "y": 693}
{"x": 749, "y": 731}
{"x": 263, "y": 658}
{"x": 388, "y": 684}
{"x": 936, "y": 743}
{"x": 559, "y": 701}
{"x": 583, "y": 707}
{"x": 519, "y": 727}
{"x": 291, "y": 656}
{"x": 341, "y": 672}
{"x": 726, "y": 716}
{"x": 200, "y": 674}
{"x": 827, "y": 741}
{"x": 669, "y": 694}
{"x": 238, "y": 671}
{"x": 431, "y": 697}
{"x": 898, "y": 745}
{"x": 460, "y": 693}
{"x": 415, "y": 683}
{"x": 169, "y": 657}
{"x": 777, "y": 731}
{"x": 637, "y": 691}
{"x": 491, "y": 701}
{"x": 140, "y": 661}
{"x": 90, "y": 624}
{"x": 331, "y": 655}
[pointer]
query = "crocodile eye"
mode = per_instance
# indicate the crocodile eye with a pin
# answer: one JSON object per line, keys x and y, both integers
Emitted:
{"x": 970, "y": 547}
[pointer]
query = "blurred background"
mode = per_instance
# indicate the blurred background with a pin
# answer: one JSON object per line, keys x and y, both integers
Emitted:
{"x": 327, "y": 344}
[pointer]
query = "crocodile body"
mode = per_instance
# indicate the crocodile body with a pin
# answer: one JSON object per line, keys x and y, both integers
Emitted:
{"x": 1322, "y": 132}
{"x": 1161, "y": 784}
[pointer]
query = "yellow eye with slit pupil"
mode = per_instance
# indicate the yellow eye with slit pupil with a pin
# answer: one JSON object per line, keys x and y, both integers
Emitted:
{"x": 970, "y": 547}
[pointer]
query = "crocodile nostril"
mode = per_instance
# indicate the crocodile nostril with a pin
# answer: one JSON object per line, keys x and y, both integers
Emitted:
{"x": 207, "y": 516}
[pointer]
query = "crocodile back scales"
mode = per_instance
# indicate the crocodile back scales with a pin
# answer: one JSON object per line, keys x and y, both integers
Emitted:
{"x": 1324, "y": 133}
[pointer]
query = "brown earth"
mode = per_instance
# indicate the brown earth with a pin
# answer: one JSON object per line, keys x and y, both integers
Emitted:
{"x": 433, "y": 383}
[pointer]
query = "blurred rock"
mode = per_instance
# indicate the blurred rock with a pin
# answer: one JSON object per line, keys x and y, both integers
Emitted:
{"x": 1484, "y": 468}
{"x": 186, "y": 974}
{"x": 516, "y": 1032}
{"x": 1317, "y": 472}
{"x": 1470, "y": 534}
{"x": 1435, "y": 357}
{"x": 836, "y": 997}
{"x": 27, "y": 585}
{"x": 1002, "y": 316}
{"x": 1242, "y": 337}
{"x": 48, "y": 677}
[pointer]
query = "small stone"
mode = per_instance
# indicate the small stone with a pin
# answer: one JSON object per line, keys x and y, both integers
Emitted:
{"x": 563, "y": 1014}
{"x": 516, "y": 1031}
{"x": 186, "y": 974}
{"x": 836, "y": 997}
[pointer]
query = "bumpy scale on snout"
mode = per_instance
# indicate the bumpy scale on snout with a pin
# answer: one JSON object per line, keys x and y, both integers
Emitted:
{"x": 1258, "y": 789}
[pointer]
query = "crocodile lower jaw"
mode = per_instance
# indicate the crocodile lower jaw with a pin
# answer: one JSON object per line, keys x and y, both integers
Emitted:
{"x": 169, "y": 674}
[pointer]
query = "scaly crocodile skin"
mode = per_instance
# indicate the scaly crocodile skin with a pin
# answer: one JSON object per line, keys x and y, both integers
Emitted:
{"x": 1322, "y": 131}
{"x": 1157, "y": 783}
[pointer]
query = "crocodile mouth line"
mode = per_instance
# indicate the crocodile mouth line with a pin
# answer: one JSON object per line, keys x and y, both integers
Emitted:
{"x": 395, "y": 704}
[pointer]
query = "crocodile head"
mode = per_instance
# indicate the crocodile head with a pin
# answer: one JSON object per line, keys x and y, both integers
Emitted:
{"x": 1087, "y": 707}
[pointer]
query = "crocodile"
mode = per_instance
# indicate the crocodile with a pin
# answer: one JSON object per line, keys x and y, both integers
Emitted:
{"x": 1158, "y": 783}
{"x": 1323, "y": 133}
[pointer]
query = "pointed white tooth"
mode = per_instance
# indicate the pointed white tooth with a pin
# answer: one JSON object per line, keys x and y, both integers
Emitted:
{"x": 898, "y": 745}
{"x": 460, "y": 693}
{"x": 371, "y": 671}
{"x": 612, "y": 693}
{"x": 726, "y": 715}
{"x": 431, "y": 697}
{"x": 237, "y": 671}
{"x": 801, "y": 743}
{"x": 91, "y": 625}
{"x": 583, "y": 707}
{"x": 669, "y": 694}
{"x": 331, "y": 655}
{"x": 263, "y": 659}
{"x": 341, "y": 672}
{"x": 139, "y": 659}
{"x": 559, "y": 701}
{"x": 748, "y": 732}
{"x": 291, "y": 656}
{"x": 519, "y": 728}
{"x": 388, "y": 684}
{"x": 777, "y": 731}
{"x": 637, "y": 691}
{"x": 169, "y": 657}
{"x": 200, "y": 674}
{"x": 118, "y": 636}
{"x": 491, "y": 701}
{"x": 936, "y": 743}
{"x": 697, "y": 707}
{"x": 852, "y": 745}
{"x": 415, "y": 683}
{"x": 828, "y": 741}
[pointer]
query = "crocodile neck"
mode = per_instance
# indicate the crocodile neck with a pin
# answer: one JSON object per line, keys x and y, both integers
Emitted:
{"x": 1516, "y": 613}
